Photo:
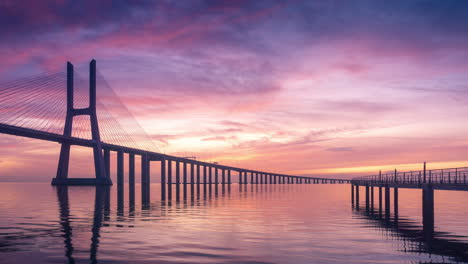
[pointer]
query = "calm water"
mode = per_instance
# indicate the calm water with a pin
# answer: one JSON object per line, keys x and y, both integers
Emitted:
{"x": 256, "y": 224}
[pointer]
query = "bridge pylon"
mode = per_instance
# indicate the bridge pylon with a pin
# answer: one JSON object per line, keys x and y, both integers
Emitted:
{"x": 102, "y": 177}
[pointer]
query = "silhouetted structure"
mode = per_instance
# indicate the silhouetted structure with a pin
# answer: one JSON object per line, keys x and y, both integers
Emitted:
{"x": 443, "y": 179}
{"x": 415, "y": 239}
{"x": 102, "y": 154}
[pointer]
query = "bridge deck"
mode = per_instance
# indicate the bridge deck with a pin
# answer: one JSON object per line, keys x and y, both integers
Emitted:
{"x": 438, "y": 186}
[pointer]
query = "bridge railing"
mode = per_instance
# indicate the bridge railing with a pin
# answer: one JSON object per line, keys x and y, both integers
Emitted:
{"x": 437, "y": 176}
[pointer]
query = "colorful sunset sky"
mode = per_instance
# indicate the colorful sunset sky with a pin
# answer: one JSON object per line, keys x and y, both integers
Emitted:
{"x": 330, "y": 88}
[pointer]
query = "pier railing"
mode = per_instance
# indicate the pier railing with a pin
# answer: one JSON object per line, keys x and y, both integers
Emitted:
{"x": 449, "y": 176}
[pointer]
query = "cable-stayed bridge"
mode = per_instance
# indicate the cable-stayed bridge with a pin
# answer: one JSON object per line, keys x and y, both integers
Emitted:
{"x": 71, "y": 108}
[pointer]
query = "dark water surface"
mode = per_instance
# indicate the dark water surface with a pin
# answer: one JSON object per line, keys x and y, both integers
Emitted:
{"x": 253, "y": 224}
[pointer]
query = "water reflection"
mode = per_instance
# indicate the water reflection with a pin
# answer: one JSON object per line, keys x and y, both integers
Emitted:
{"x": 101, "y": 209}
{"x": 239, "y": 224}
{"x": 413, "y": 237}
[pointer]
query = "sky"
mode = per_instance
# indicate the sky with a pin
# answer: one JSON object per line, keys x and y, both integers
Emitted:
{"x": 329, "y": 88}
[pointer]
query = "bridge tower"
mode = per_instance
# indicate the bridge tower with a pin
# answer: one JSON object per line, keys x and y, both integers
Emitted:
{"x": 102, "y": 178}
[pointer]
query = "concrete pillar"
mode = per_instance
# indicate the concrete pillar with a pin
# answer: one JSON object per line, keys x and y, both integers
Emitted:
{"x": 169, "y": 179}
{"x": 380, "y": 200}
{"x": 240, "y": 178}
{"x": 245, "y": 177}
{"x": 192, "y": 174}
{"x": 387, "y": 202}
{"x": 395, "y": 203}
{"x": 256, "y": 178}
{"x": 204, "y": 174}
{"x": 144, "y": 180}
{"x": 184, "y": 173}
{"x": 163, "y": 179}
{"x": 352, "y": 194}
{"x": 185, "y": 179}
{"x": 223, "y": 176}
{"x": 177, "y": 171}
{"x": 372, "y": 198}
{"x": 251, "y": 178}
{"x": 210, "y": 175}
{"x": 120, "y": 177}
{"x": 216, "y": 175}
{"x": 357, "y": 197}
{"x": 131, "y": 178}
{"x": 198, "y": 179}
{"x": 428, "y": 209}
{"x": 367, "y": 197}
{"x": 229, "y": 176}
{"x": 107, "y": 162}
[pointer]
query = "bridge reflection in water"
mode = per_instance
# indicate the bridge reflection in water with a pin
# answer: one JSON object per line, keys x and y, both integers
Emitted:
{"x": 415, "y": 238}
{"x": 102, "y": 210}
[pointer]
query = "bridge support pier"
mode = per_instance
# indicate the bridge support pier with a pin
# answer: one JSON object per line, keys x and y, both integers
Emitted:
{"x": 198, "y": 178}
{"x": 163, "y": 179}
{"x": 177, "y": 180}
{"x": 367, "y": 198}
{"x": 210, "y": 176}
{"x": 102, "y": 178}
{"x": 357, "y": 197}
{"x": 169, "y": 179}
{"x": 428, "y": 209}
{"x": 387, "y": 202}
{"x": 395, "y": 204}
{"x": 184, "y": 179}
{"x": 131, "y": 178}
{"x": 145, "y": 180}
{"x": 192, "y": 178}
{"x": 380, "y": 201}
{"x": 372, "y": 199}
{"x": 204, "y": 176}
{"x": 120, "y": 175}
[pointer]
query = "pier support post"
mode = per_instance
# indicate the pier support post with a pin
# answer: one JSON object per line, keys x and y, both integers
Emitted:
{"x": 177, "y": 180}
{"x": 185, "y": 179}
{"x": 204, "y": 175}
{"x": 387, "y": 202}
{"x": 192, "y": 175}
{"x": 163, "y": 179}
{"x": 185, "y": 173}
{"x": 210, "y": 175}
{"x": 120, "y": 173}
{"x": 144, "y": 180}
{"x": 367, "y": 197}
{"x": 198, "y": 178}
{"x": 352, "y": 194}
{"x": 107, "y": 162}
{"x": 372, "y": 198}
{"x": 131, "y": 178}
{"x": 357, "y": 196}
{"x": 380, "y": 201}
{"x": 428, "y": 209}
{"x": 229, "y": 176}
{"x": 169, "y": 179}
{"x": 395, "y": 204}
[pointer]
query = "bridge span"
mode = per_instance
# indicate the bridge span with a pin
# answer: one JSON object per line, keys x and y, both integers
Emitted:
{"x": 454, "y": 179}
{"x": 173, "y": 170}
